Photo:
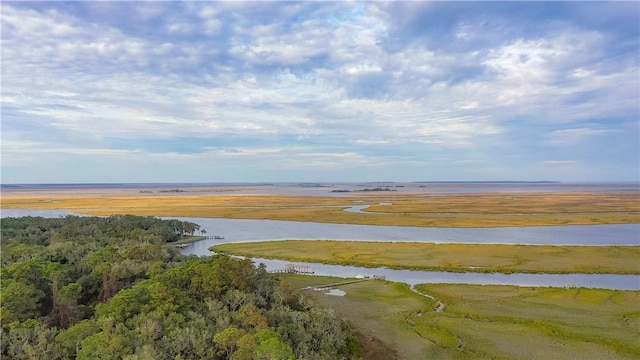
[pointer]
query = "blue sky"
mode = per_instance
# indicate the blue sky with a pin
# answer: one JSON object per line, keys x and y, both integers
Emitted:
{"x": 319, "y": 91}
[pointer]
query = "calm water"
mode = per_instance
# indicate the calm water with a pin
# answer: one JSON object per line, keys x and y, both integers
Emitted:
{"x": 260, "y": 230}
{"x": 602, "y": 281}
{"x": 235, "y": 230}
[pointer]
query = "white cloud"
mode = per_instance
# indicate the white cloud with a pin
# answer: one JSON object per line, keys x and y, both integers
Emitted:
{"x": 233, "y": 153}
{"x": 569, "y": 137}
{"x": 30, "y": 23}
{"x": 13, "y": 147}
{"x": 558, "y": 162}
{"x": 371, "y": 142}
{"x": 333, "y": 83}
{"x": 362, "y": 69}
{"x": 469, "y": 105}
{"x": 207, "y": 12}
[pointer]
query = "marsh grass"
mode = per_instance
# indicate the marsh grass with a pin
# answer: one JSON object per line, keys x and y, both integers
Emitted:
{"x": 516, "y": 203}
{"x": 564, "y": 319}
{"x": 491, "y": 321}
{"x": 375, "y": 308}
{"x": 442, "y": 210}
{"x": 448, "y": 257}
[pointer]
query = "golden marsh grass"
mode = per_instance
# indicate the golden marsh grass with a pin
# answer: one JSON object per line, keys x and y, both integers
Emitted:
{"x": 442, "y": 210}
{"x": 449, "y": 257}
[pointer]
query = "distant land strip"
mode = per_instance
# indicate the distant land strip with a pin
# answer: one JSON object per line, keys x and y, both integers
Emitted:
{"x": 473, "y": 210}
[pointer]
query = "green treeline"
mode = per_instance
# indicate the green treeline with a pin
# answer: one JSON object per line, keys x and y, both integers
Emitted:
{"x": 111, "y": 288}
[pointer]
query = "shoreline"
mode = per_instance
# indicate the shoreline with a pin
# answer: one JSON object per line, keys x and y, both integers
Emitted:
{"x": 389, "y": 257}
{"x": 254, "y": 230}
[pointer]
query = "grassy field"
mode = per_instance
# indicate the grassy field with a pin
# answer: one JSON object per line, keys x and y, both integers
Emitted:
{"x": 487, "y": 322}
{"x": 449, "y": 257}
{"x": 442, "y": 210}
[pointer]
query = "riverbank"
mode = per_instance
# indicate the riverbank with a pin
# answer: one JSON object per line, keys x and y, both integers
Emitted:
{"x": 187, "y": 240}
{"x": 486, "y": 258}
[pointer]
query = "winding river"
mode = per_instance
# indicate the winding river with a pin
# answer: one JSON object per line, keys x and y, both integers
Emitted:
{"x": 236, "y": 230}
{"x": 411, "y": 277}
{"x": 239, "y": 230}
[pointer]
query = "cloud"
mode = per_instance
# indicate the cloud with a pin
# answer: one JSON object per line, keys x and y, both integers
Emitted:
{"x": 558, "y": 162}
{"x": 568, "y": 137}
{"x": 372, "y": 142}
{"x": 344, "y": 86}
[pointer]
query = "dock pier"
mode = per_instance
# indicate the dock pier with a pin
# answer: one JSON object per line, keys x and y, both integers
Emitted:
{"x": 294, "y": 269}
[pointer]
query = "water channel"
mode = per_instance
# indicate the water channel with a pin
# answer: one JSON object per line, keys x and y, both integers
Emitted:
{"x": 411, "y": 277}
{"x": 239, "y": 230}
{"x": 236, "y": 230}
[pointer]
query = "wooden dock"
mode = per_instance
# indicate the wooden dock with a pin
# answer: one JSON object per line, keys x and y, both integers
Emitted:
{"x": 294, "y": 269}
{"x": 210, "y": 237}
{"x": 331, "y": 286}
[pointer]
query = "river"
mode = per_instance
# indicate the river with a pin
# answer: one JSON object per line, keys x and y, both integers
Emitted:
{"x": 411, "y": 277}
{"x": 238, "y": 230}
{"x": 235, "y": 230}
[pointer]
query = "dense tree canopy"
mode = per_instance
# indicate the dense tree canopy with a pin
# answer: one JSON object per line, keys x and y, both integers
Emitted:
{"x": 110, "y": 288}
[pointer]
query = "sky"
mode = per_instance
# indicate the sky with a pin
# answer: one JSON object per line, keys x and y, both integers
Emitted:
{"x": 99, "y": 92}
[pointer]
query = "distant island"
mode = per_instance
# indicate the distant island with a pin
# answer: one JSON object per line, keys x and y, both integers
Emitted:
{"x": 488, "y": 182}
{"x": 368, "y": 189}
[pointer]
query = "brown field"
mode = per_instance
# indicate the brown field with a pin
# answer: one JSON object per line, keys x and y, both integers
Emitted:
{"x": 440, "y": 210}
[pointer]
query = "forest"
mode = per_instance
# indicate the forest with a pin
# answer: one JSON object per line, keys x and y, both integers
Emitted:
{"x": 114, "y": 288}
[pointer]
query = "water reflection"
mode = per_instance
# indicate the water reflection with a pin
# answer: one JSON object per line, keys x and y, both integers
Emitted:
{"x": 235, "y": 230}
{"x": 603, "y": 281}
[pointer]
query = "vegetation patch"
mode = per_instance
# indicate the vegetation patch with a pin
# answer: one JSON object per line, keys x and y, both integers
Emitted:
{"x": 448, "y": 257}
{"x": 399, "y": 209}
{"x": 489, "y": 322}
{"x": 111, "y": 288}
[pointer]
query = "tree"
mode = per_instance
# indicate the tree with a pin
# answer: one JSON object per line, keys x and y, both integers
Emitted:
{"x": 66, "y": 305}
{"x": 114, "y": 341}
{"x": 104, "y": 346}
{"x": 227, "y": 340}
{"x": 250, "y": 316}
{"x": 31, "y": 340}
{"x": 71, "y": 338}
{"x": 141, "y": 301}
{"x": 246, "y": 347}
{"x": 271, "y": 347}
{"x": 20, "y": 301}
{"x": 146, "y": 352}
